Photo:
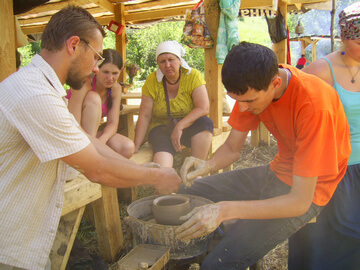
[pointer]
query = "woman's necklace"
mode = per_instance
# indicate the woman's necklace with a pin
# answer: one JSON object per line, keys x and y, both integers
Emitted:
{"x": 174, "y": 82}
{"x": 352, "y": 77}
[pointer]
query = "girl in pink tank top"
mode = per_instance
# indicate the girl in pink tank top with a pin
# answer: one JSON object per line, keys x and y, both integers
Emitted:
{"x": 101, "y": 97}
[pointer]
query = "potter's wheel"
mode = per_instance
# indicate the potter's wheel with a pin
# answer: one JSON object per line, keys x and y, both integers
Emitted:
{"x": 147, "y": 231}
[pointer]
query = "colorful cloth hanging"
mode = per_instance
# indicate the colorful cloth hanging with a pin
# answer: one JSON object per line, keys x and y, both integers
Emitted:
{"x": 228, "y": 32}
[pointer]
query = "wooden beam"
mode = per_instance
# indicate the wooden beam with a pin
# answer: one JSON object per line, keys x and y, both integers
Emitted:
{"x": 159, "y": 4}
{"x": 95, "y": 11}
{"x": 104, "y": 4}
{"x": 255, "y": 3}
{"x": 280, "y": 48}
{"x": 7, "y": 41}
{"x": 121, "y": 40}
{"x": 156, "y": 14}
{"x": 54, "y": 6}
{"x": 212, "y": 69}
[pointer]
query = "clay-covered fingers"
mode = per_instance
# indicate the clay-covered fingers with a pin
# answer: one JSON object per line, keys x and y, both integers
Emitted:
{"x": 169, "y": 181}
{"x": 201, "y": 221}
{"x": 189, "y": 229}
{"x": 199, "y": 169}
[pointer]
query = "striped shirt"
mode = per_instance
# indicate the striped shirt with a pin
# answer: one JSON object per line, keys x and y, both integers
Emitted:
{"x": 36, "y": 130}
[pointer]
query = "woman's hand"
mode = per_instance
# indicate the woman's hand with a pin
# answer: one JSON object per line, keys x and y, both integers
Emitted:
{"x": 175, "y": 138}
{"x": 201, "y": 221}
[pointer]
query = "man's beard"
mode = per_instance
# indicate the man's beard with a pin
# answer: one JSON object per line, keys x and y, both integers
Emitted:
{"x": 74, "y": 78}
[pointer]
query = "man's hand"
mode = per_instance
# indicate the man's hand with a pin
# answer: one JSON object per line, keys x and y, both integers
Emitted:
{"x": 201, "y": 168}
{"x": 152, "y": 165}
{"x": 202, "y": 220}
{"x": 169, "y": 182}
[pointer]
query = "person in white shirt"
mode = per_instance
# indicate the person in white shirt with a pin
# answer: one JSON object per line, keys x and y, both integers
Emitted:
{"x": 39, "y": 138}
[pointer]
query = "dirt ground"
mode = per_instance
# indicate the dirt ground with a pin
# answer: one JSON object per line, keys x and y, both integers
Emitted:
{"x": 251, "y": 156}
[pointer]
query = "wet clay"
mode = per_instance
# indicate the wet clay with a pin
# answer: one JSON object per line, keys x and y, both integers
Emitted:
{"x": 168, "y": 209}
{"x": 145, "y": 231}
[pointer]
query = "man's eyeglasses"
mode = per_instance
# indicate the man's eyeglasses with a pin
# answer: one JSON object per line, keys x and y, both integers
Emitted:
{"x": 101, "y": 59}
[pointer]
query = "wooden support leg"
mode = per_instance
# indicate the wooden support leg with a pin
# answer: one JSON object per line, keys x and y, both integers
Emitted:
{"x": 127, "y": 195}
{"x": 64, "y": 239}
{"x": 261, "y": 136}
{"x": 108, "y": 224}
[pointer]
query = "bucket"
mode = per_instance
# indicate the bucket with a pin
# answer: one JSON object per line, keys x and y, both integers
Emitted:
{"x": 146, "y": 231}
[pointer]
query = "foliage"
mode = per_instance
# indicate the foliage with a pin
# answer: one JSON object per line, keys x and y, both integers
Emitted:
{"x": 142, "y": 44}
{"x": 27, "y": 52}
{"x": 255, "y": 30}
{"x": 131, "y": 70}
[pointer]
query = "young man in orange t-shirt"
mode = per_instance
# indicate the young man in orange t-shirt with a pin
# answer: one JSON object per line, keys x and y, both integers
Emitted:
{"x": 269, "y": 202}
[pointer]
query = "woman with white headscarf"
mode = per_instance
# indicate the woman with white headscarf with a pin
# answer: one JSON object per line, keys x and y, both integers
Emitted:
{"x": 188, "y": 108}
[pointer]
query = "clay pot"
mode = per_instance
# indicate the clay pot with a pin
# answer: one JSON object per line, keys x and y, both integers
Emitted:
{"x": 168, "y": 209}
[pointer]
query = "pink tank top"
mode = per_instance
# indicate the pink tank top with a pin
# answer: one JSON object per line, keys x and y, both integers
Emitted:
{"x": 104, "y": 107}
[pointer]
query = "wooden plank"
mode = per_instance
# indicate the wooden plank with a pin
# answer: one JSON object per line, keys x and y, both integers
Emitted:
{"x": 218, "y": 140}
{"x": 131, "y": 95}
{"x": 108, "y": 224}
{"x": 127, "y": 109}
{"x": 158, "y": 4}
{"x": 78, "y": 193}
{"x": 145, "y": 155}
{"x": 104, "y": 4}
{"x": 7, "y": 41}
{"x": 157, "y": 14}
{"x": 64, "y": 239}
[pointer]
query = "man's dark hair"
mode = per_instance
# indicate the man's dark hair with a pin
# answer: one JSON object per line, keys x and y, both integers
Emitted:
{"x": 68, "y": 22}
{"x": 249, "y": 65}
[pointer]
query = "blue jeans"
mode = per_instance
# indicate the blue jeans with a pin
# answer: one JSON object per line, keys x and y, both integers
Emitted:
{"x": 333, "y": 242}
{"x": 248, "y": 240}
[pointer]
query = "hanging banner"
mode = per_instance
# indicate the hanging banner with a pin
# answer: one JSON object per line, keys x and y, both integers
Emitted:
{"x": 256, "y": 12}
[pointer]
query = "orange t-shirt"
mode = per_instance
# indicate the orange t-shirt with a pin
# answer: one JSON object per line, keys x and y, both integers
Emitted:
{"x": 311, "y": 129}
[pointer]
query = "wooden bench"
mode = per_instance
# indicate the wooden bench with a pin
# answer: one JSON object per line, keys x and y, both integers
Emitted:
{"x": 126, "y": 121}
{"x": 78, "y": 193}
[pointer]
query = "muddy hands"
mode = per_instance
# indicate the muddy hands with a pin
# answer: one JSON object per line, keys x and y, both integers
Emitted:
{"x": 201, "y": 168}
{"x": 169, "y": 182}
{"x": 201, "y": 221}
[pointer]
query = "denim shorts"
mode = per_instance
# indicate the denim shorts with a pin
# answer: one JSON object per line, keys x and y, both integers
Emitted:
{"x": 161, "y": 141}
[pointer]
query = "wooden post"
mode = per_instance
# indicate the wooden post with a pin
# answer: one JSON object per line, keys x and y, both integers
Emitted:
{"x": 280, "y": 48}
{"x": 108, "y": 224}
{"x": 7, "y": 40}
{"x": 212, "y": 69}
{"x": 65, "y": 237}
{"x": 121, "y": 40}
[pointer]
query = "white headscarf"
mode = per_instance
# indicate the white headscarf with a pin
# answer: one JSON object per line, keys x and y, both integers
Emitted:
{"x": 175, "y": 48}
